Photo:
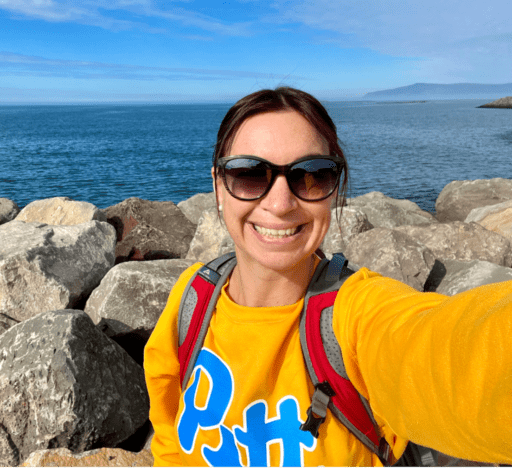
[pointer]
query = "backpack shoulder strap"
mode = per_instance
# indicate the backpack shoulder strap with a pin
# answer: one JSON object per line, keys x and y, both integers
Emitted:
{"x": 324, "y": 361}
{"x": 196, "y": 308}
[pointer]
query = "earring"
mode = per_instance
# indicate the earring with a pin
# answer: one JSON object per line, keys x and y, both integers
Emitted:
{"x": 220, "y": 207}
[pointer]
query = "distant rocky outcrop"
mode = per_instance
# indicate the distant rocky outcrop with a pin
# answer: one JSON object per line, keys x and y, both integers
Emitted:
{"x": 87, "y": 374}
{"x": 502, "y": 103}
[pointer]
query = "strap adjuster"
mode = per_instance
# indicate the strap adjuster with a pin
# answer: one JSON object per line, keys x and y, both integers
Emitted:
{"x": 318, "y": 409}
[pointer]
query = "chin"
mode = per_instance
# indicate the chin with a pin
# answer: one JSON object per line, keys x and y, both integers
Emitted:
{"x": 281, "y": 261}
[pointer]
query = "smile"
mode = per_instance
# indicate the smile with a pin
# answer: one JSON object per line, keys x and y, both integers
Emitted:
{"x": 276, "y": 233}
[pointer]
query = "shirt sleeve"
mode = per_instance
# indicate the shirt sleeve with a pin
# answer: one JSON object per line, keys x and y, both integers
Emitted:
{"x": 436, "y": 370}
{"x": 162, "y": 371}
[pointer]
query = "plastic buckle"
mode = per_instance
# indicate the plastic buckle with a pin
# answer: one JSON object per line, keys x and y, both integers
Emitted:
{"x": 384, "y": 452}
{"x": 326, "y": 388}
{"x": 312, "y": 423}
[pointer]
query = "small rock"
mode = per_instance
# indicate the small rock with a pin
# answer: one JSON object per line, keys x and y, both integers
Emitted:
{"x": 60, "y": 211}
{"x": 194, "y": 207}
{"x": 8, "y": 210}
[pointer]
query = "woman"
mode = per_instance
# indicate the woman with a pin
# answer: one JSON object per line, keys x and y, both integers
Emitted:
{"x": 435, "y": 370}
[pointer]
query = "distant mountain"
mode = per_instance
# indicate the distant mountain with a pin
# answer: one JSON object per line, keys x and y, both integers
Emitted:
{"x": 438, "y": 91}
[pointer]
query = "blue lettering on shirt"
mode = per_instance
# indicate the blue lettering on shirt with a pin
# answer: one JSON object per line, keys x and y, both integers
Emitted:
{"x": 220, "y": 395}
{"x": 258, "y": 431}
{"x": 226, "y": 454}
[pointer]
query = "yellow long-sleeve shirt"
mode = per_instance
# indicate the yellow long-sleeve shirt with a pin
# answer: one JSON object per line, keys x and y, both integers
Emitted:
{"x": 436, "y": 370}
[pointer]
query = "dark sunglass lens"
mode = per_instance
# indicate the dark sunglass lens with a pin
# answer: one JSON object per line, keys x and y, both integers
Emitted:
{"x": 314, "y": 179}
{"x": 246, "y": 178}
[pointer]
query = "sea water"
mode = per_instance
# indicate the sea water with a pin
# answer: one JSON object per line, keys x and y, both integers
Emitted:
{"x": 104, "y": 154}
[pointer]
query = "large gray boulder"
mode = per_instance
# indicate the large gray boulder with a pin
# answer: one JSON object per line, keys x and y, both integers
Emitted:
{"x": 462, "y": 241}
{"x": 458, "y": 198}
{"x": 60, "y": 211}
{"x": 133, "y": 294}
{"x": 148, "y": 230}
{"x": 8, "y": 210}
{"x": 497, "y": 218}
{"x": 43, "y": 267}
{"x": 211, "y": 239}
{"x": 459, "y": 276}
{"x": 194, "y": 207}
{"x": 64, "y": 384}
{"x": 386, "y": 212}
{"x": 352, "y": 221}
{"x": 392, "y": 254}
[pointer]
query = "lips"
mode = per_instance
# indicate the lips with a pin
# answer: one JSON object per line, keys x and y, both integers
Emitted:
{"x": 278, "y": 234}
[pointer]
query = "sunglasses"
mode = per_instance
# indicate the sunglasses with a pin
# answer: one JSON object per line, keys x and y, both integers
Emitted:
{"x": 311, "y": 178}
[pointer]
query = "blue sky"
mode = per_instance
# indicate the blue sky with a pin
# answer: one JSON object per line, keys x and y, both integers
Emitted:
{"x": 201, "y": 51}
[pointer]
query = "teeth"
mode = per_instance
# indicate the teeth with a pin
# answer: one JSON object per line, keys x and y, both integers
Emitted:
{"x": 275, "y": 233}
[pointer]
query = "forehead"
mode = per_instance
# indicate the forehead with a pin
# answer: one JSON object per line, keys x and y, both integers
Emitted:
{"x": 284, "y": 135}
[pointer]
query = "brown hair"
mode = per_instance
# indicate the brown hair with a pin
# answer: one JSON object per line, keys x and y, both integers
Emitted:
{"x": 281, "y": 99}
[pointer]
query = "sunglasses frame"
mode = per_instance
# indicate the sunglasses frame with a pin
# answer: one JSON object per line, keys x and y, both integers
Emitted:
{"x": 281, "y": 169}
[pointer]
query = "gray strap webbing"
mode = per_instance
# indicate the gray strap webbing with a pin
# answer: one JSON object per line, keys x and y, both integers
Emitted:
{"x": 330, "y": 276}
{"x": 222, "y": 269}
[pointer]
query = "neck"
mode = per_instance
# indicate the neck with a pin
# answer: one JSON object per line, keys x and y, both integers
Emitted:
{"x": 255, "y": 286}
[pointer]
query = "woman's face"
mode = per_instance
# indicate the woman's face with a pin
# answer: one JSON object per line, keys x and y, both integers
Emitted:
{"x": 281, "y": 138}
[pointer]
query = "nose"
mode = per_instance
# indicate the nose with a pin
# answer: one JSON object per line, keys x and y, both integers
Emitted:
{"x": 280, "y": 199}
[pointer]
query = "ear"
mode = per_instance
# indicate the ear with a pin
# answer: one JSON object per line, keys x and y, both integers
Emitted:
{"x": 216, "y": 187}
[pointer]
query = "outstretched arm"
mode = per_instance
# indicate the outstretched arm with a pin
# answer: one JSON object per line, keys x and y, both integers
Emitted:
{"x": 437, "y": 370}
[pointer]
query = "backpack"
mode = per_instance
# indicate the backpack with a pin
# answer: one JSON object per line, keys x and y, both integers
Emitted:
{"x": 321, "y": 351}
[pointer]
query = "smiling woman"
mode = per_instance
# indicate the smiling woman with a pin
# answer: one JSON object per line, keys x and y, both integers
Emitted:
{"x": 275, "y": 356}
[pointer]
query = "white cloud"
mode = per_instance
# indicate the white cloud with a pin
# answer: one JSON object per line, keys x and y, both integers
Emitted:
{"x": 95, "y": 13}
{"x": 24, "y": 65}
{"x": 462, "y": 39}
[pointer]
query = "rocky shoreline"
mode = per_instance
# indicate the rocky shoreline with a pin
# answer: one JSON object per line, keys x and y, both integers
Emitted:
{"x": 502, "y": 103}
{"x": 81, "y": 290}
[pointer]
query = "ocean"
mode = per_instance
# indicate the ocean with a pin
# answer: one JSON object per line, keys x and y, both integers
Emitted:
{"x": 104, "y": 154}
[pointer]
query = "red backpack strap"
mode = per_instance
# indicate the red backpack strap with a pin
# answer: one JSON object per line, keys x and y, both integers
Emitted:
{"x": 196, "y": 308}
{"x": 324, "y": 362}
